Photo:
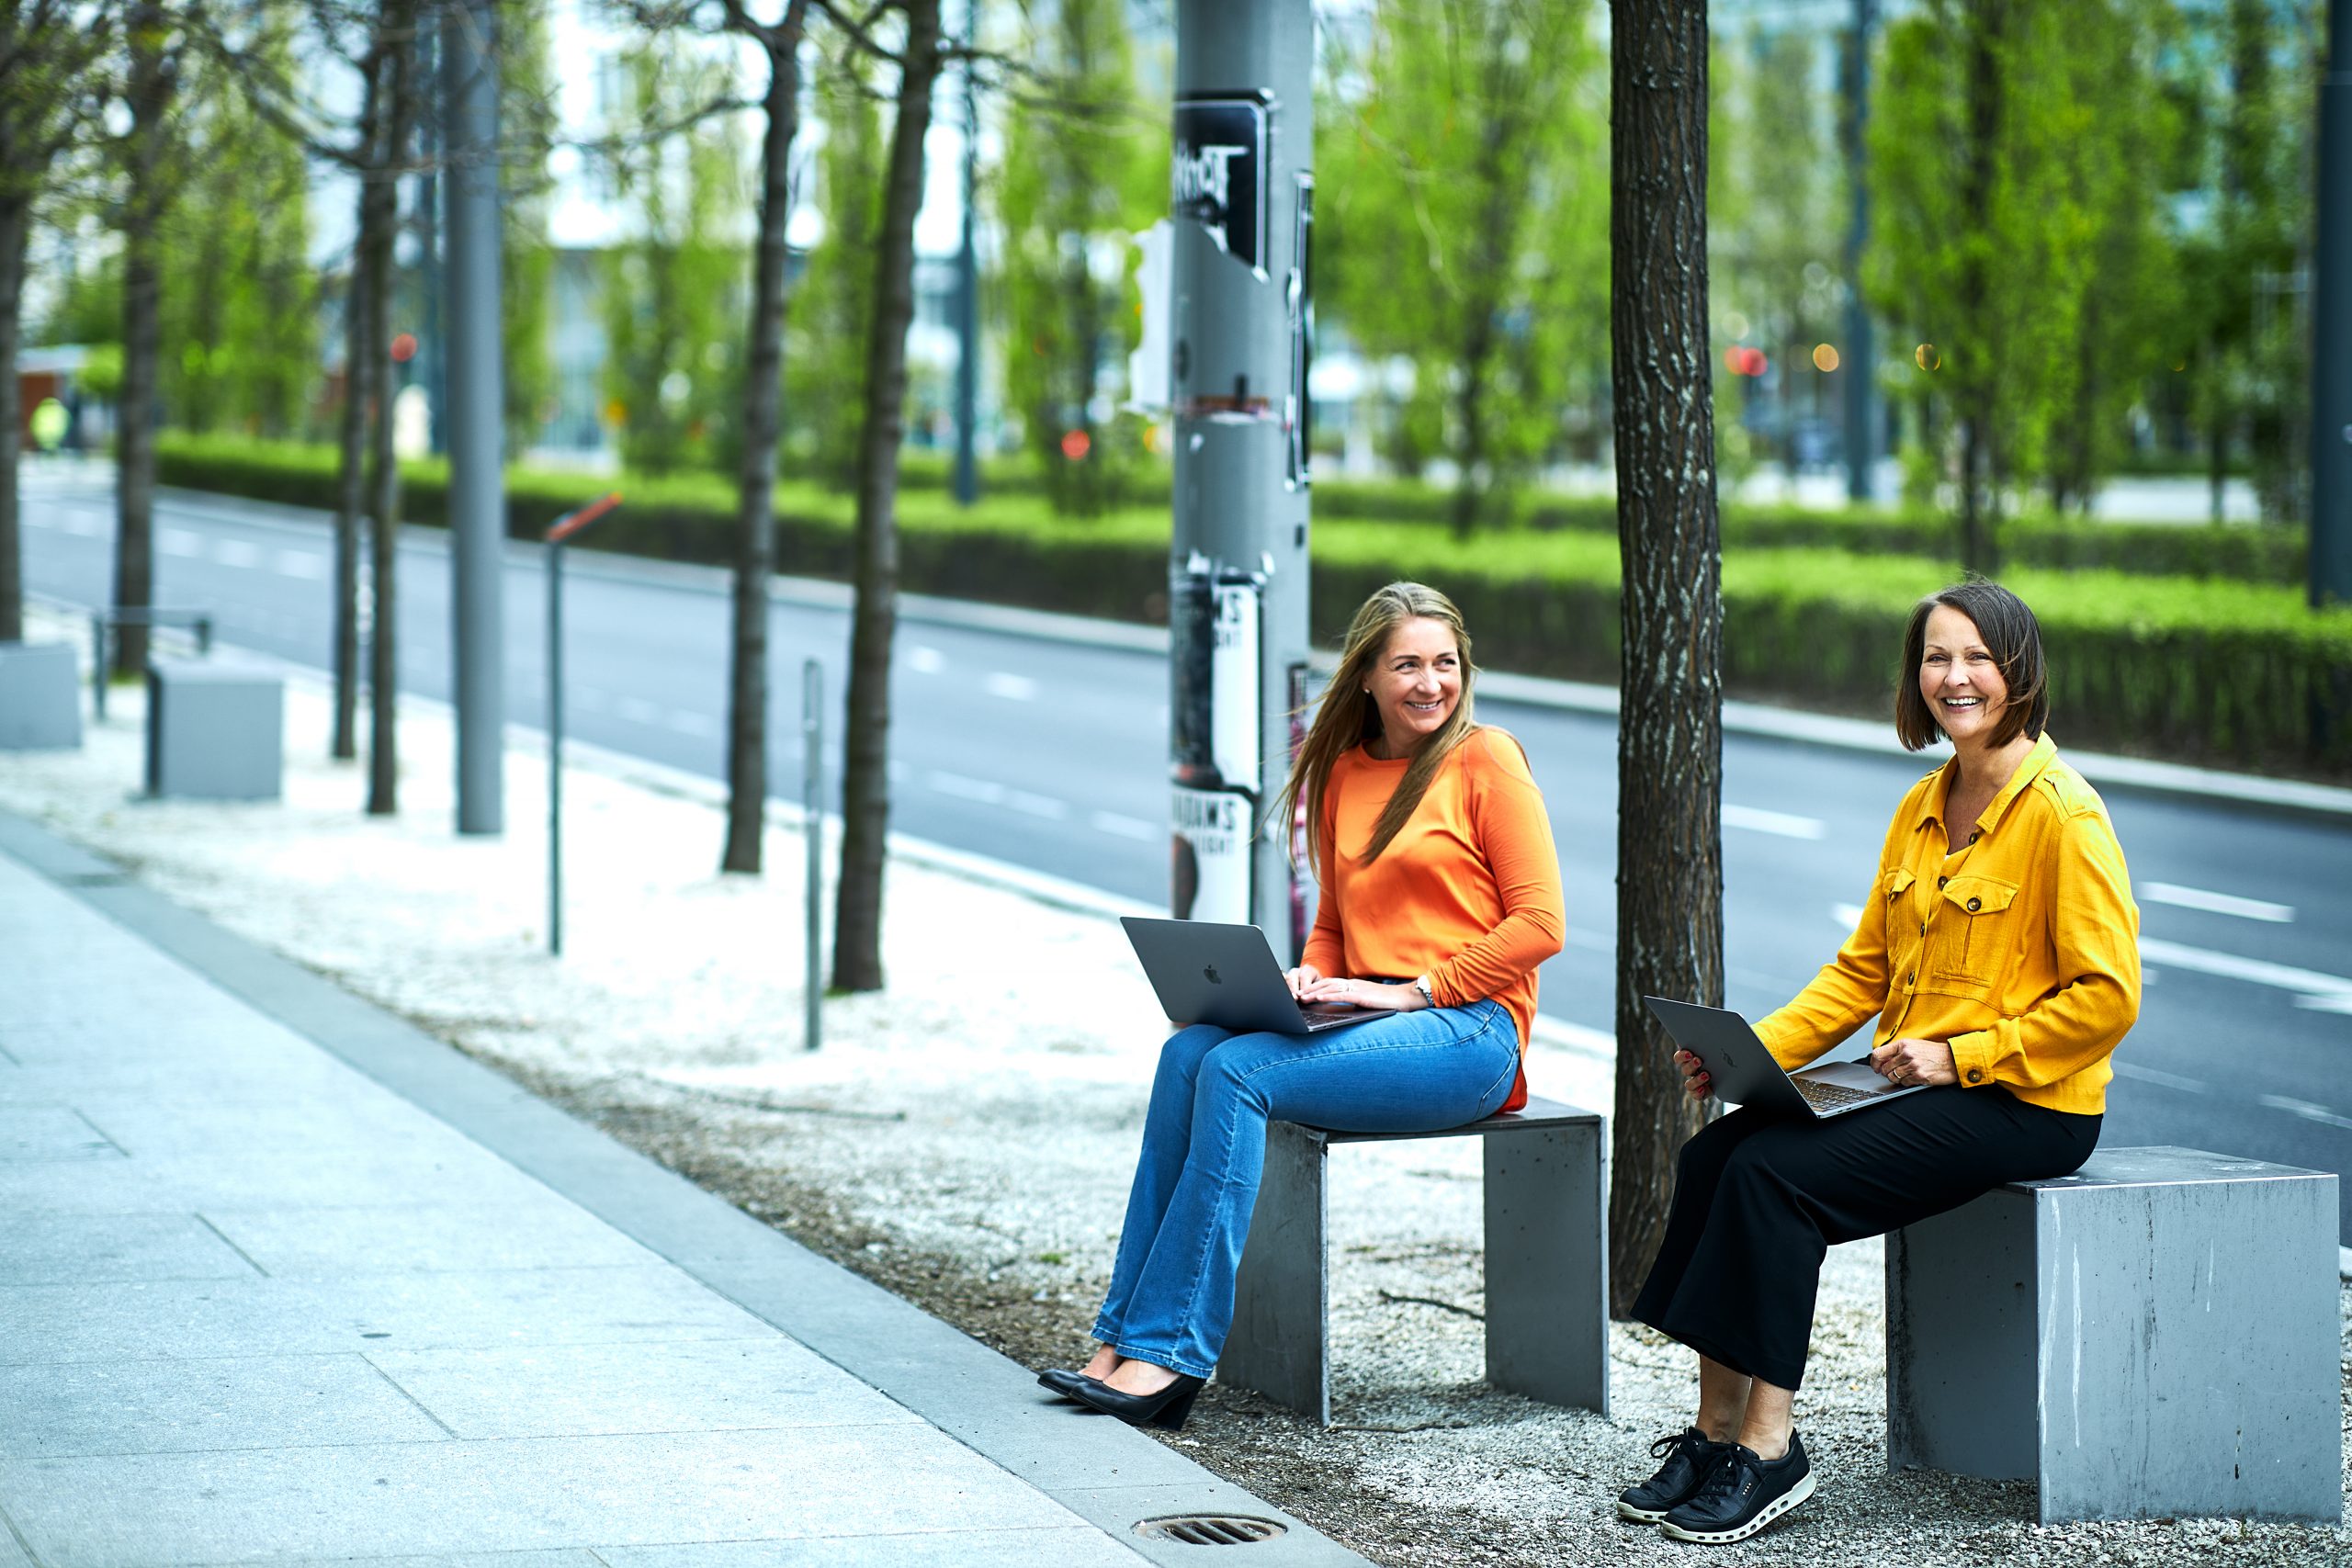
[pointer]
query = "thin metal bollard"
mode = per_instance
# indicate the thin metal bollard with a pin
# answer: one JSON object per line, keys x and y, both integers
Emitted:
{"x": 812, "y": 779}
{"x": 562, "y": 529}
{"x": 555, "y": 747}
{"x": 103, "y": 625}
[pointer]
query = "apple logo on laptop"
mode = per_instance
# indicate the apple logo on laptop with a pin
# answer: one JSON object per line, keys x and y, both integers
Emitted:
{"x": 1210, "y": 970}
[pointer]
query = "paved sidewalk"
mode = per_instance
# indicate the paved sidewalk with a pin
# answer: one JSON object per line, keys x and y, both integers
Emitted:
{"x": 284, "y": 1281}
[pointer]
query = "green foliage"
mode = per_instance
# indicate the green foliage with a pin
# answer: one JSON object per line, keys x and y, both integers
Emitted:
{"x": 1084, "y": 166}
{"x": 673, "y": 289}
{"x": 832, "y": 306}
{"x": 2014, "y": 154}
{"x": 2248, "y": 68}
{"x": 528, "y": 123}
{"x": 1462, "y": 197}
{"x": 1776, "y": 228}
{"x": 239, "y": 308}
{"x": 2238, "y": 674}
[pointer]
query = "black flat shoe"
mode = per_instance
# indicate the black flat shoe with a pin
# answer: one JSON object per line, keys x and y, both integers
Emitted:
{"x": 1165, "y": 1410}
{"x": 1062, "y": 1381}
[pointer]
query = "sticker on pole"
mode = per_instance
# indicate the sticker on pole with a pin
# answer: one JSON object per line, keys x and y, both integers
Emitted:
{"x": 1218, "y": 176}
{"x": 1210, "y": 877}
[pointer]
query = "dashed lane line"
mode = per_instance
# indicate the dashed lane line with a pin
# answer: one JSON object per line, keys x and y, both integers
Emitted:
{"x": 2182, "y": 897}
{"x": 1755, "y": 819}
{"x": 1013, "y": 688}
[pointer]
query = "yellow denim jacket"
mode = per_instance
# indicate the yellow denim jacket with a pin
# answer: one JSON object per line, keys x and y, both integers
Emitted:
{"x": 2020, "y": 949}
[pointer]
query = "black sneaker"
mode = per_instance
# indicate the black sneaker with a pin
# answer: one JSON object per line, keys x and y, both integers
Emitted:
{"x": 1742, "y": 1496}
{"x": 1690, "y": 1459}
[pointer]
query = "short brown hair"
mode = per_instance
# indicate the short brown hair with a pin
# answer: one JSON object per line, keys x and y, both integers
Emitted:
{"x": 2011, "y": 635}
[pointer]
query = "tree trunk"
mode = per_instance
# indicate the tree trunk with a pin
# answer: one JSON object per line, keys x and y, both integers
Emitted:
{"x": 1669, "y": 731}
{"x": 360, "y": 388}
{"x": 149, "y": 93}
{"x": 747, "y": 696}
{"x": 383, "y": 477}
{"x": 866, "y": 784}
{"x": 16, "y": 227}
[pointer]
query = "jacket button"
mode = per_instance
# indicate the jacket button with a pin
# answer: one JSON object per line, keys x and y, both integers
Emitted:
{"x": 1975, "y": 1074}
{"x": 1975, "y": 834}
{"x": 1908, "y": 978}
{"x": 1943, "y": 882}
{"x": 1923, "y": 928}
{"x": 1974, "y": 905}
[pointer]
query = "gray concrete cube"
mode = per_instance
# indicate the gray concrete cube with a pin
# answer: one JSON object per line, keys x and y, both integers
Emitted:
{"x": 1548, "y": 1261}
{"x": 41, "y": 696}
{"x": 214, "y": 731}
{"x": 2154, "y": 1335}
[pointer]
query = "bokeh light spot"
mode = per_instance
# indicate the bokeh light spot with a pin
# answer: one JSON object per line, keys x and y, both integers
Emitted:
{"x": 1824, "y": 357}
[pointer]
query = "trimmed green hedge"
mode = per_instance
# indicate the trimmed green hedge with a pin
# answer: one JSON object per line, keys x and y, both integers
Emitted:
{"x": 2227, "y": 673}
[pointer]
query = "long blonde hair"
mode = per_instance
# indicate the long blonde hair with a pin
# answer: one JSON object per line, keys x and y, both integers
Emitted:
{"x": 1347, "y": 716}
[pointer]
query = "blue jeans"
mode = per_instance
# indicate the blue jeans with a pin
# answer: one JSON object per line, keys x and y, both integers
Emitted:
{"x": 1170, "y": 1301}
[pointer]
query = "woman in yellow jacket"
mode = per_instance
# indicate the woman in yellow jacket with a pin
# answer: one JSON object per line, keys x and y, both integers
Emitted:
{"x": 1997, "y": 959}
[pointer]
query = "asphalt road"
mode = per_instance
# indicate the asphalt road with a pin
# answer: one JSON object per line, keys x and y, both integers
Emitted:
{"x": 1051, "y": 754}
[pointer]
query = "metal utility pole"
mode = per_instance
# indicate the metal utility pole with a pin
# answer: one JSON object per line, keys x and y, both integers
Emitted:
{"x": 1243, "y": 209}
{"x": 967, "y": 287}
{"x": 1860, "y": 359}
{"x": 2331, "y": 550}
{"x": 477, "y": 413}
{"x": 431, "y": 366}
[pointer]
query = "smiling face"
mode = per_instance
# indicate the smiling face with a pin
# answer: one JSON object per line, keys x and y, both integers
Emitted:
{"x": 1959, "y": 679}
{"x": 1414, "y": 684}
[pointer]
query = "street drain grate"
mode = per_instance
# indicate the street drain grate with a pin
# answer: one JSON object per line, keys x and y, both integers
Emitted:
{"x": 1210, "y": 1529}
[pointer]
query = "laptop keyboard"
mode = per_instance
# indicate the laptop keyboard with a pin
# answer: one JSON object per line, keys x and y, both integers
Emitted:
{"x": 1830, "y": 1095}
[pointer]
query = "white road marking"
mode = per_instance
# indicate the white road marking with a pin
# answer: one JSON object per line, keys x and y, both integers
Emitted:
{"x": 86, "y": 524}
{"x": 925, "y": 661}
{"x": 302, "y": 564}
{"x": 1120, "y": 826}
{"x": 241, "y": 553}
{"x": 2305, "y": 1108}
{"x": 1016, "y": 688}
{"x": 1758, "y": 820}
{"x": 962, "y": 788}
{"x": 2330, "y": 993}
{"x": 184, "y": 542}
{"x": 2216, "y": 903}
{"x": 1043, "y": 806}
{"x": 2152, "y": 1074}
{"x": 637, "y": 710}
{"x": 1846, "y": 915}
{"x": 702, "y": 727}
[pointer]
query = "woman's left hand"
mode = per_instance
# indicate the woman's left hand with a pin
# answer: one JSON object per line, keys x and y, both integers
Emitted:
{"x": 1909, "y": 1062}
{"x": 1365, "y": 994}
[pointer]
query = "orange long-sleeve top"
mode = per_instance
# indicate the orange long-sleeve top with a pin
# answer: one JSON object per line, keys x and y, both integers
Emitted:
{"x": 1467, "y": 892}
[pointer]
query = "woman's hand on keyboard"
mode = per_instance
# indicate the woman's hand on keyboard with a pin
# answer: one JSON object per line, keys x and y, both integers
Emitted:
{"x": 1908, "y": 1062}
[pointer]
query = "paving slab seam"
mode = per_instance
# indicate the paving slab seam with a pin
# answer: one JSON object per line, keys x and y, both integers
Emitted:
{"x": 1108, "y": 1475}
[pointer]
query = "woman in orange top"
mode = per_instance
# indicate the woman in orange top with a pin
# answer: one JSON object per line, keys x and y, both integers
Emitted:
{"x": 1997, "y": 961}
{"x": 1440, "y": 894}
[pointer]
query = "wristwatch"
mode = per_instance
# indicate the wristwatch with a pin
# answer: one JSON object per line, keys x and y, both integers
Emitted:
{"x": 1422, "y": 985}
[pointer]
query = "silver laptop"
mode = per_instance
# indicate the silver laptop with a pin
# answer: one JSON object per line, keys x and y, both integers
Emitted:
{"x": 1745, "y": 1073}
{"x": 1207, "y": 973}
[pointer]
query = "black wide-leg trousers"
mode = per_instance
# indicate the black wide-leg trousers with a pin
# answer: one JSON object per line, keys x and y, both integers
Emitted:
{"x": 1759, "y": 1199}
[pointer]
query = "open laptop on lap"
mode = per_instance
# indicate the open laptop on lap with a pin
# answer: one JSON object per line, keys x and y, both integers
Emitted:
{"x": 1207, "y": 973}
{"x": 1745, "y": 1073}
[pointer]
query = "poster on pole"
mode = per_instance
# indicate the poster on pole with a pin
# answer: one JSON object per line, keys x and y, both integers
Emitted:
{"x": 1218, "y": 175}
{"x": 1210, "y": 877}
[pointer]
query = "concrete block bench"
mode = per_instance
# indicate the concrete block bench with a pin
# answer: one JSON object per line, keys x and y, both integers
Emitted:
{"x": 2154, "y": 1335}
{"x": 41, "y": 696}
{"x": 214, "y": 731}
{"x": 1548, "y": 1261}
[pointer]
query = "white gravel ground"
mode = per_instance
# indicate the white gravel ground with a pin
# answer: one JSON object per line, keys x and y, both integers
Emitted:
{"x": 966, "y": 1138}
